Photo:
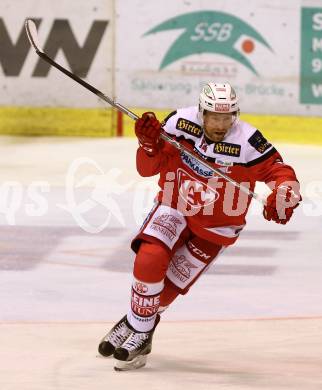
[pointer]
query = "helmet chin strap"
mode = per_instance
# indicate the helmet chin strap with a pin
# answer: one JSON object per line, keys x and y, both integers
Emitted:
{"x": 234, "y": 123}
{"x": 200, "y": 116}
{"x": 236, "y": 120}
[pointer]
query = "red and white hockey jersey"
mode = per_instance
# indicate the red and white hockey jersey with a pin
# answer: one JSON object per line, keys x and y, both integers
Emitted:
{"x": 214, "y": 209}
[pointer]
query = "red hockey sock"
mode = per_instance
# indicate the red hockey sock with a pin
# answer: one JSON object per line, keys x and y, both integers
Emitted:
{"x": 150, "y": 267}
{"x": 151, "y": 263}
{"x": 168, "y": 295}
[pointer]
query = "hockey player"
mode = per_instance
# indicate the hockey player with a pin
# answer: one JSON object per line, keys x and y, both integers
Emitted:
{"x": 197, "y": 214}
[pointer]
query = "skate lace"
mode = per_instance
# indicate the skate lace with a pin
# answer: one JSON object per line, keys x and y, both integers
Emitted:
{"x": 120, "y": 333}
{"x": 136, "y": 340}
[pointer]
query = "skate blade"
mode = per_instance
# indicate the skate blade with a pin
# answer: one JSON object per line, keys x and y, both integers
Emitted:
{"x": 138, "y": 362}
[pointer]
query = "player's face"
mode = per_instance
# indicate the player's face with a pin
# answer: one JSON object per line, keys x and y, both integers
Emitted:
{"x": 217, "y": 125}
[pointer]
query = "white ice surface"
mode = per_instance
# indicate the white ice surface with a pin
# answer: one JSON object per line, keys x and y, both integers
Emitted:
{"x": 68, "y": 274}
{"x": 60, "y": 284}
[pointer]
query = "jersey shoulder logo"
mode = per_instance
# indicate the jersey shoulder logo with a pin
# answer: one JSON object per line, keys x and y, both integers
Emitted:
{"x": 189, "y": 127}
{"x": 227, "y": 149}
{"x": 259, "y": 142}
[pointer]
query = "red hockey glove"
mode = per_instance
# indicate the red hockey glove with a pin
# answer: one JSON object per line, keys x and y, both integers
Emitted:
{"x": 281, "y": 203}
{"x": 147, "y": 130}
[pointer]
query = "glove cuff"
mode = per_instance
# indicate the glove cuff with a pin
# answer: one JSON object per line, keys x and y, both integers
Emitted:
{"x": 152, "y": 149}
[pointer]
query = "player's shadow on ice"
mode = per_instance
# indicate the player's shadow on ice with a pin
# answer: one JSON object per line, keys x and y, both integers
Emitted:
{"x": 161, "y": 364}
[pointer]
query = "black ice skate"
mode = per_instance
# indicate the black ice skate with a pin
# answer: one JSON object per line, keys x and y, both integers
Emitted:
{"x": 133, "y": 353}
{"x": 115, "y": 337}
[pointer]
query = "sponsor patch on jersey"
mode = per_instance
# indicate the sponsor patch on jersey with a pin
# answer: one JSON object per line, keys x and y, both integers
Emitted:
{"x": 189, "y": 127}
{"x": 259, "y": 142}
{"x": 224, "y": 163}
{"x": 227, "y": 149}
{"x": 195, "y": 165}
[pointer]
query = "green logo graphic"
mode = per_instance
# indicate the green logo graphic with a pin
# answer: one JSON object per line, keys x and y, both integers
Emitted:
{"x": 210, "y": 32}
{"x": 311, "y": 56}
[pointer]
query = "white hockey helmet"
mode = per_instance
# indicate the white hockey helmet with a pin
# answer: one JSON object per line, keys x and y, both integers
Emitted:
{"x": 218, "y": 97}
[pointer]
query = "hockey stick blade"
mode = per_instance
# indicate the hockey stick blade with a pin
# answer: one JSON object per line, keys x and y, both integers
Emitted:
{"x": 31, "y": 30}
{"x": 33, "y": 38}
{"x": 32, "y": 35}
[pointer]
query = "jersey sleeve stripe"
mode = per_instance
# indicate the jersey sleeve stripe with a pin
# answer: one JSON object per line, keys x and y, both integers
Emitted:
{"x": 165, "y": 120}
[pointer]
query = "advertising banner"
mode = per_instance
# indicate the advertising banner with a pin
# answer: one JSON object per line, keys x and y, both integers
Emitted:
{"x": 158, "y": 55}
{"x": 311, "y": 56}
{"x": 166, "y": 53}
{"x": 77, "y": 34}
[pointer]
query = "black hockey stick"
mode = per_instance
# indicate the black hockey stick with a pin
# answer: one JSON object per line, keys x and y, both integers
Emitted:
{"x": 33, "y": 38}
